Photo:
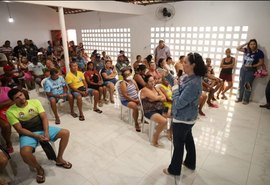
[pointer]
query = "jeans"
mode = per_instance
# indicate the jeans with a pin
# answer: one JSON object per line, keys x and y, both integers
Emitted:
{"x": 267, "y": 92}
{"x": 182, "y": 136}
{"x": 245, "y": 83}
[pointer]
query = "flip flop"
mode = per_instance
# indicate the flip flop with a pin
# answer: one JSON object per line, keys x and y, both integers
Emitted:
{"x": 98, "y": 111}
{"x": 57, "y": 122}
{"x": 81, "y": 118}
{"x": 66, "y": 165}
{"x": 41, "y": 178}
{"x": 74, "y": 115}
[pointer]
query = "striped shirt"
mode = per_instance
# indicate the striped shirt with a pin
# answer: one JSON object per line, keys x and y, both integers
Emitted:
{"x": 131, "y": 91}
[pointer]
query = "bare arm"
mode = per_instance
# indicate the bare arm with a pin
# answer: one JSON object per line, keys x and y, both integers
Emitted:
{"x": 260, "y": 63}
{"x": 241, "y": 47}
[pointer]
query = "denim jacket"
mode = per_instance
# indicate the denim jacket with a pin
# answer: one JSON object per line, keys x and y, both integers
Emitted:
{"x": 186, "y": 99}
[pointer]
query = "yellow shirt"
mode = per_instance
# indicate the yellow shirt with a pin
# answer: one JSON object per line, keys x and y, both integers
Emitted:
{"x": 16, "y": 114}
{"x": 168, "y": 91}
{"x": 75, "y": 81}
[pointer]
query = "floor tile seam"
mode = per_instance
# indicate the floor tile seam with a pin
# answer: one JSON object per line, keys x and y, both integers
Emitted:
{"x": 257, "y": 133}
{"x": 228, "y": 179}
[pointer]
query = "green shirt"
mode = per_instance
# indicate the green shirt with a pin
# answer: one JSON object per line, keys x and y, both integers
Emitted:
{"x": 16, "y": 114}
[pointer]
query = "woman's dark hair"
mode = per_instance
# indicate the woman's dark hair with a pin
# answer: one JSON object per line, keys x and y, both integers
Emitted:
{"x": 140, "y": 67}
{"x": 138, "y": 57}
{"x": 125, "y": 69}
{"x": 160, "y": 62}
{"x": 13, "y": 92}
{"x": 168, "y": 58}
{"x": 182, "y": 56}
{"x": 149, "y": 58}
{"x": 146, "y": 78}
{"x": 200, "y": 68}
{"x": 252, "y": 40}
{"x": 89, "y": 64}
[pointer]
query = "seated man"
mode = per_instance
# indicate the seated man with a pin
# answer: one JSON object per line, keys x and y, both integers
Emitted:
{"x": 56, "y": 88}
{"x": 79, "y": 88}
{"x": 30, "y": 121}
{"x": 36, "y": 69}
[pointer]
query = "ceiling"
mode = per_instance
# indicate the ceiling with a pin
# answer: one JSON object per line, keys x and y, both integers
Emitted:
{"x": 70, "y": 10}
{"x": 144, "y": 3}
{"x": 147, "y": 2}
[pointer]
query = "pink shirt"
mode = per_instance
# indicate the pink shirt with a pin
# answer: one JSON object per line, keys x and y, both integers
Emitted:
{"x": 4, "y": 94}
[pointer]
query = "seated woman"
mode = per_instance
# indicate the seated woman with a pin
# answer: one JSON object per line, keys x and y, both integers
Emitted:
{"x": 94, "y": 81}
{"x": 28, "y": 78}
{"x": 152, "y": 102}
{"x": 5, "y": 103}
{"x": 128, "y": 92}
{"x": 108, "y": 74}
{"x": 140, "y": 75}
{"x": 153, "y": 72}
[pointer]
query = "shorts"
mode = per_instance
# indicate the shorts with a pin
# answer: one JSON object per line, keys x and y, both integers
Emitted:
{"x": 76, "y": 94}
{"x": 226, "y": 77}
{"x": 33, "y": 142}
{"x": 124, "y": 102}
{"x": 150, "y": 114}
{"x": 112, "y": 81}
{"x": 96, "y": 87}
{"x": 57, "y": 99}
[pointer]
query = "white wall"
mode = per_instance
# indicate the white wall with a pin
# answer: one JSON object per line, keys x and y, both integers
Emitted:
{"x": 33, "y": 21}
{"x": 255, "y": 15}
{"x": 30, "y": 21}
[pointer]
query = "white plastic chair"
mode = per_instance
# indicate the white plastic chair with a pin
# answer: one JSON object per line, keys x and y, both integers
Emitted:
{"x": 152, "y": 124}
{"x": 117, "y": 86}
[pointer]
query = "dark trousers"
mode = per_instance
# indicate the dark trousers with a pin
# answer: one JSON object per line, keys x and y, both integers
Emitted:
{"x": 267, "y": 92}
{"x": 182, "y": 136}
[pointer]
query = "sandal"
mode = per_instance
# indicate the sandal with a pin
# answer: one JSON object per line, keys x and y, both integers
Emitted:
{"x": 57, "y": 121}
{"x": 81, "y": 118}
{"x": 74, "y": 115}
{"x": 98, "y": 111}
{"x": 40, "y": 178}
{"x": 66, "y": 165}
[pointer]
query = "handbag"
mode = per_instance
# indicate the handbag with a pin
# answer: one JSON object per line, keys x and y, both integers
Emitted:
{"x": 48, "y": 149}
{"x": 261, "y": 72}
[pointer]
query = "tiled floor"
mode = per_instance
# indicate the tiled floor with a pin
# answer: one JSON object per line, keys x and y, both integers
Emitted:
{"x": 232, "y": 144}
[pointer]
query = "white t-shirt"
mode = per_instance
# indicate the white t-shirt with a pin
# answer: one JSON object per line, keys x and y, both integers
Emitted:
{"x": 37, "y": 69}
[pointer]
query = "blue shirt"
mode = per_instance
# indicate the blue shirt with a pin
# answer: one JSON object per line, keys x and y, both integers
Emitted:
{"x": 55, "y": 86}
{"x": 252, "y": 58}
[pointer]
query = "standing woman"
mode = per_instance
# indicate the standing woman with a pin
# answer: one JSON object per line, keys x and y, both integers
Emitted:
{"x": 253, "y": 58}
{"x": 185, "y": 112}
{"x": 227, "y": 65}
